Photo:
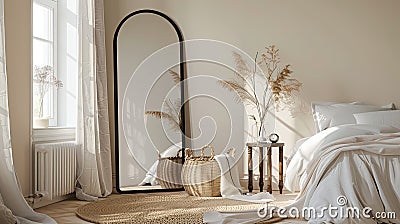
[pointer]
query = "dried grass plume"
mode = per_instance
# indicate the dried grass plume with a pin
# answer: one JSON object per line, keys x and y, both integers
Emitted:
{"x": 279, "y": 88}
{"x": 170, "y": 110}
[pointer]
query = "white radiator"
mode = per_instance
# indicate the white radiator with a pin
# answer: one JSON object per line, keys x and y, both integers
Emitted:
{"x": 55, "y": 169}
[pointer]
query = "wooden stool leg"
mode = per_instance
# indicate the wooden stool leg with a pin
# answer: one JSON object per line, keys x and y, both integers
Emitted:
{"x": 261, "y": 168}
{"x": 280, "y": 169}
{"x": 269, "y": 171}
{"x": 250, "y": 168}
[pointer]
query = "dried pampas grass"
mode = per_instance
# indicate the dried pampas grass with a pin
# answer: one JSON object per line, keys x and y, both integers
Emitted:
{"x": 280, "y": 88}
{"x": 171, "y": 110}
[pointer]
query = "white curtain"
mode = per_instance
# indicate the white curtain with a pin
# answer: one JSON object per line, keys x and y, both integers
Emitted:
{"x": 9, "y": 189}
{"x": 94, "y": 160}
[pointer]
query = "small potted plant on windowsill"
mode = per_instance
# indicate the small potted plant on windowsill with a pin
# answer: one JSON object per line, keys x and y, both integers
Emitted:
{"x": 44, "y": 80}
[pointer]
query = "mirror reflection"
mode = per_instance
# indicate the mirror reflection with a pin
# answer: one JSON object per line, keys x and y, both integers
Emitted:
{"x": 149, "y": 119}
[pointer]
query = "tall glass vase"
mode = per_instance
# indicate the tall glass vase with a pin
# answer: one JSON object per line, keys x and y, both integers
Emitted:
{"x": 254, "y": 131}
{"x": 262, "y": 134}
{"x": 258, "y": 132}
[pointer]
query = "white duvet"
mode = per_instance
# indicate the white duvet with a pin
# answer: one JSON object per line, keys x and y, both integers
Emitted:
{"x": 347, "y": 168}
{"x": 357, "y": 163}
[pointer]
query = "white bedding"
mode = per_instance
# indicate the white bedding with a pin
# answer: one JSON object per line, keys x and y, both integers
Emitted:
{"x": 348, "y": 167}
{"x": 306, "y": 151}
{"x": 360, "y": 162}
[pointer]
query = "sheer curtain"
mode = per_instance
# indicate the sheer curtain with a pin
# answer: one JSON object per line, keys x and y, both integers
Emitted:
{"x": 94, "y": 159}
{"x": 9, "y": 189}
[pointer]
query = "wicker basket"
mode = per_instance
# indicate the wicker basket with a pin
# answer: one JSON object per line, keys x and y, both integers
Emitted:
{"x": 201, "y": 174}
{"x": 169, "y": 171}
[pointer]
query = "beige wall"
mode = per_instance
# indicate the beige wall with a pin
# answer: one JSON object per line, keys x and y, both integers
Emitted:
{"x": 341, "y": 50}
{"x": 17, "y": 18}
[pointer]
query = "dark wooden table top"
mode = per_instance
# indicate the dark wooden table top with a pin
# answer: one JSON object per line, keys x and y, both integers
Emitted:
{"x": 265, "y": 144}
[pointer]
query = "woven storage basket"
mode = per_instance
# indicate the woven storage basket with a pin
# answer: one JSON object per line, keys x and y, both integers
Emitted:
{"x": 201, "y": 174}
{"x": 169, "y": 171}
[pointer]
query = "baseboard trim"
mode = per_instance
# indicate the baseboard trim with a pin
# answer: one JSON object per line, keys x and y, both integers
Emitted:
{"x": 41, "y": 202}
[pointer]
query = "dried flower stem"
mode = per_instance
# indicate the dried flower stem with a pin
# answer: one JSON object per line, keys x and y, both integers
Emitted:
{"x": 45, "y": 79}
{"x": 172, "y": 110}
{"x": 279, "y": 88}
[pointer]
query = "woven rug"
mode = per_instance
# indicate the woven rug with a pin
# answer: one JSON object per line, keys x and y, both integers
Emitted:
{"x": 172, "y": 207}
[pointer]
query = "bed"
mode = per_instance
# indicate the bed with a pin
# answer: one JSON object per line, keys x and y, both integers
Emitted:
{"x": 349, "y": 171}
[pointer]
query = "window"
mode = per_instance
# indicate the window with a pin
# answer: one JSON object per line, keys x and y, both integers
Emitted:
{"x": 54, "y": 61}
{"x": 44, "y": 60}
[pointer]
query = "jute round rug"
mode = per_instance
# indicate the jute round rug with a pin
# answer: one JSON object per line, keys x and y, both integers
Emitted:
{"x": 171, "y": 207}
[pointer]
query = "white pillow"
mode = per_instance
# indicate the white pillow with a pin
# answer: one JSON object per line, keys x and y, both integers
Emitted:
{"x": 314, "y": 104}
{"x": 391, "y": 118}
{"x": 326, "y": 116}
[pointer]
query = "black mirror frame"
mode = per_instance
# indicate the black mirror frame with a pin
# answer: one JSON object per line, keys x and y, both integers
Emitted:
{"x": 182, "y": 89}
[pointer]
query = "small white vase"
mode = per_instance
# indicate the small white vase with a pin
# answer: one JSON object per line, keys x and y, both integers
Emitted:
{"x": 41, "y": 123}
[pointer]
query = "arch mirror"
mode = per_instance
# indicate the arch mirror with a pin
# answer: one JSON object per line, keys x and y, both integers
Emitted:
{"x": 148, "y": 93}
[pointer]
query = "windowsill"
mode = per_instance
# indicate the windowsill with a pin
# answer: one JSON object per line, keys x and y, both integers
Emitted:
{"x": 54, "y": 128}
{"x": 53, "y": 134}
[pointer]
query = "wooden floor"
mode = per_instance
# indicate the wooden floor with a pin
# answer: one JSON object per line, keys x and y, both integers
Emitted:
{"x": 64, "y": 212}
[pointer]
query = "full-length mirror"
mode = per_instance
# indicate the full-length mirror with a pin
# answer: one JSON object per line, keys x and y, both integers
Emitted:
{"x": 149, "y": 94}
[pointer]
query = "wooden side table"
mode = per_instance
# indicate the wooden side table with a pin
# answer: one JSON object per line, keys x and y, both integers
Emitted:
{"x": 261, "y": 146}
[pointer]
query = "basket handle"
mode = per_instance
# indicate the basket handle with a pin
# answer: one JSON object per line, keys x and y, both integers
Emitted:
{"x": 188, "y": 153}
{"x": 179, "y": 151}
{"x": 211, "y": 150}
